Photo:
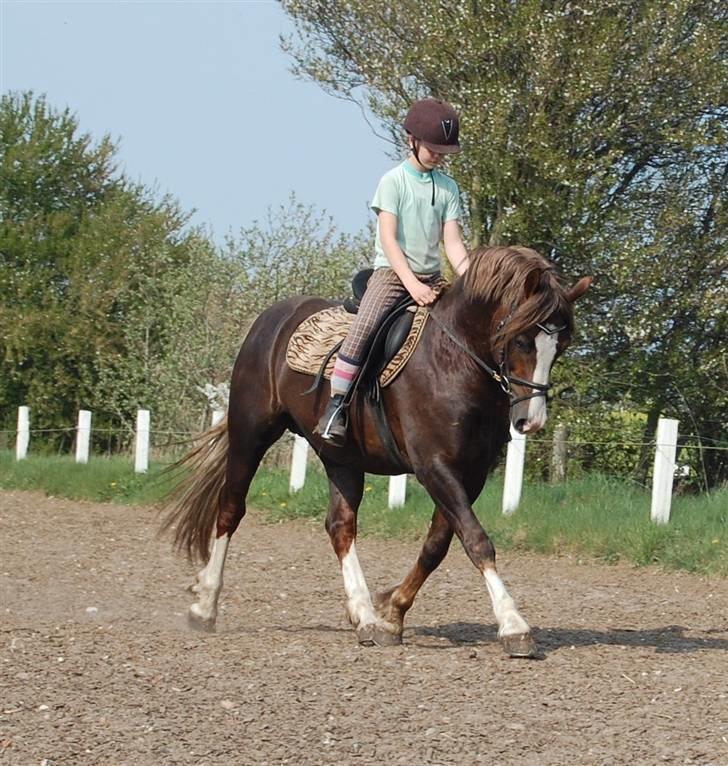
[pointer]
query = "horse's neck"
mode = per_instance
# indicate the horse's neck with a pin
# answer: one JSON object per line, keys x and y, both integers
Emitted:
{"x": 470, "y": 320}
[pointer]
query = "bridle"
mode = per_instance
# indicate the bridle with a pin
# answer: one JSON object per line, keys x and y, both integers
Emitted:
{"x": 501, "y": 375}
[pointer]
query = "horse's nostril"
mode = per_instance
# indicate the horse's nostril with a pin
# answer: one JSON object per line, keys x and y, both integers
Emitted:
{"x": 520, "y": 425}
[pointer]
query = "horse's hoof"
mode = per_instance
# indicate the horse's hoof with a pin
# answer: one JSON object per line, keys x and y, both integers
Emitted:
{"x": 197, "y": 622}
{"x": 384, "y": 637}
{"x": 521, "y": 646}
{"x": 365, "y": 635}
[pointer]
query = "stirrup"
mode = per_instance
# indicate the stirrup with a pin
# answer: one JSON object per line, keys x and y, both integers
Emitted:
{"x": 332, "y": 425}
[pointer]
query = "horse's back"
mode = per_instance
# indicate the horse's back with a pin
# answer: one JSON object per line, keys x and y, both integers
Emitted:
{"x": 264, "y": 347}
{"x": 276, "y": 324}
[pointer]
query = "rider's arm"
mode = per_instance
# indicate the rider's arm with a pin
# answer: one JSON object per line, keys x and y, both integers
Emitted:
{"x": 455, "y": 249}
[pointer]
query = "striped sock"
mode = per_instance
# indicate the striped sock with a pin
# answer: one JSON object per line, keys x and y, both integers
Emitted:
{"x": 343, "y": 376}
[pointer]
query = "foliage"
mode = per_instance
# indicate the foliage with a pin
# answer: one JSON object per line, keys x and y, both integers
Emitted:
{"x": 594, "y": 131}
{"x": 50, "y": 179}
{"x": 179, "y": 323}
{"x": 295, "y": 251}
{"x": 85, "y": 256}
{"x": 591, "y": 444}
{"x": 108, "y": 301}
{"x": 565, "y": 106}
{"x": 665, "y": 324}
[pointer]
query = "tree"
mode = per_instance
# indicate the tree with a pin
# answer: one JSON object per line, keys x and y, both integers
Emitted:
{"x": 51, "y": 176}
{"x": 85, "y": 256}
{"x": 565, "y": 106}
{"x": 109, "y": 301}
{"x": 295, "y": 251}
{"x": 665, "y": 329}
{"x": 153, "y": 269}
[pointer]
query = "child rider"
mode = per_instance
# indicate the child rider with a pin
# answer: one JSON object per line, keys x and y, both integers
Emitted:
{"x": 417, "y": 207}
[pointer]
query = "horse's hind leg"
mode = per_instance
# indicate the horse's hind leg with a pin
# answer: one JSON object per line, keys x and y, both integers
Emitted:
{"x": 346, "y": 486}
{"x": 393, "y": 604}
{"x": 243, "y": 459}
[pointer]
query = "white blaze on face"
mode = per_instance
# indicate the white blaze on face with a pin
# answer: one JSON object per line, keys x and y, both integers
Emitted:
{"x": 546, "y": 347}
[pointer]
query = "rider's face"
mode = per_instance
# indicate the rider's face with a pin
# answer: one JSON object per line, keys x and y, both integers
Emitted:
{"x": 426, "y": 158}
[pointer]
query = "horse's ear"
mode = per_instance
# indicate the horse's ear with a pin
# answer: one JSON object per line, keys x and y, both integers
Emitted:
{"x": 576, "y": 291}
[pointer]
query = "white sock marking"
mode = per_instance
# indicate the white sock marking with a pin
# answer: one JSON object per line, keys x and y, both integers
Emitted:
{"x": 510, "y": 622}
{"x": 359, "y": 602}
{"x": 209, "y": 581}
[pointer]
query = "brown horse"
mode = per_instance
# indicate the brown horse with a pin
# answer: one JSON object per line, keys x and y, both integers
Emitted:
{"x": 483, "y": 360}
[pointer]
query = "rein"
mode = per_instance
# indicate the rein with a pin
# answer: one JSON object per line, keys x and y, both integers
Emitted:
{"x": 499, "y": 376}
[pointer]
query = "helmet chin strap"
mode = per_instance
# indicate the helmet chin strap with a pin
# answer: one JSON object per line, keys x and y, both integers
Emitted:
{"x": 416, "y": 151}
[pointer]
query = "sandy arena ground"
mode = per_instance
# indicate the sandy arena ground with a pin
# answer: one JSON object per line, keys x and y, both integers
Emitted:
{"x": 98, "y": 665}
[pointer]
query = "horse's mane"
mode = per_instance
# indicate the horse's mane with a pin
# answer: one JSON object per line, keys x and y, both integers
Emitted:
{"x": 523, "y": 281}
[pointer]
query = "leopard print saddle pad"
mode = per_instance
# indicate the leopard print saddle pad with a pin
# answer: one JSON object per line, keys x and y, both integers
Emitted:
{"x": 314, "y": 338}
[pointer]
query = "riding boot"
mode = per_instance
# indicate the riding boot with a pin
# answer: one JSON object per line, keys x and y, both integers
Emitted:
{"x": 332, "y": 425}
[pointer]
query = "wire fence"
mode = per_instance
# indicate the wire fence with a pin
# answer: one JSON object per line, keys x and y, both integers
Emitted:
{"x": 700, "y": 442}
{"x": 166, "y": 445}
{"x": 551, "y": 456}
{"x": 577, "y": 442}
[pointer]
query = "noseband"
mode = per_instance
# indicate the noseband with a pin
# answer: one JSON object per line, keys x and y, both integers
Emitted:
{"x": 500, "y": 375}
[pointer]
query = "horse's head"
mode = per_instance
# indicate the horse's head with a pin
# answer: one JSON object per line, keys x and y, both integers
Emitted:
{"x": 528, "y": 356}
{"x": 531, "y": 325}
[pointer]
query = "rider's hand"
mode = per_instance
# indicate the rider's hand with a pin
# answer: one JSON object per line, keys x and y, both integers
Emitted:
{"x": 422, "y": 294}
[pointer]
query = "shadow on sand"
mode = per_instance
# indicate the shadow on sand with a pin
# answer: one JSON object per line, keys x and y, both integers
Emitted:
{"x": 671, "y": 639}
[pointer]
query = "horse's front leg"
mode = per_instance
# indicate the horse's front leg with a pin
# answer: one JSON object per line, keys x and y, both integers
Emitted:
{"x": 446, "y": 488}
{"x": 393, "y": 604}
{"x": 346, "y": 487}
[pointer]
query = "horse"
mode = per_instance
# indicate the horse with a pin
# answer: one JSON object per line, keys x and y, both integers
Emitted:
{"x": 482, "y": 364}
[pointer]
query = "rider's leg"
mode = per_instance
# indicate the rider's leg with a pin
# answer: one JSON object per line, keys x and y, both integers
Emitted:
{"x": 384, "y": 289}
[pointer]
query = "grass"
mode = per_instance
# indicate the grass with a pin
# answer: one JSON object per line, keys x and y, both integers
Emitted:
{"x": 102, "y": 480}
{"x": 595, "y": 517}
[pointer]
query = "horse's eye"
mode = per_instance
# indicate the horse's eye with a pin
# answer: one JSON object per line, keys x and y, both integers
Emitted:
{"x": 522, "y": 343}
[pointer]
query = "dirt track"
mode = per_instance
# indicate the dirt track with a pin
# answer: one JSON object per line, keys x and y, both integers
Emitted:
{"x": 98, "y": 666}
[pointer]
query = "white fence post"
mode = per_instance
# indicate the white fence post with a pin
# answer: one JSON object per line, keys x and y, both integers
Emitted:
{"x": 83, "y": 436}
{"x": 397, "y": 490}
{"x": 513, "y": 481}
{"x": 217, "y": 416}
{"x": 23, "y": 438}
{"x": 141, "y": 452}
{"x": 665, "y": 450}
{"x": 299, "y": 460}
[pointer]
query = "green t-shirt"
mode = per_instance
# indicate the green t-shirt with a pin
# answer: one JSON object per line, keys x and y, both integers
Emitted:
{"x": 407, "y": 193}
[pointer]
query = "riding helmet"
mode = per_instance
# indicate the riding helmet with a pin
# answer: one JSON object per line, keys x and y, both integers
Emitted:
{"x": 435, "y": 123}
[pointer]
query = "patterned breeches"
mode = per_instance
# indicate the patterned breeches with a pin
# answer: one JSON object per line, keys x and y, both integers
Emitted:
{"x": 384, "y": 289}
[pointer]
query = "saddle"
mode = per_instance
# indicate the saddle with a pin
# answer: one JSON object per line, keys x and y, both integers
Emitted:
{"x": 313, "y": 346}
{"x": 318, "y": 338}
{"x": 392, "y": 331}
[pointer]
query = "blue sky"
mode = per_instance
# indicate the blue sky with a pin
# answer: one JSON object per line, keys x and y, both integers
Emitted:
{"x": 201, "y": 100}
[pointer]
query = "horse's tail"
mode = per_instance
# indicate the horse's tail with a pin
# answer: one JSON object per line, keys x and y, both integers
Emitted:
{"x": 192, "y": 506}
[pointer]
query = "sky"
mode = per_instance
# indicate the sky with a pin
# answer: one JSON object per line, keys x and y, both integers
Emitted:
{"x": 200, "y": 99}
